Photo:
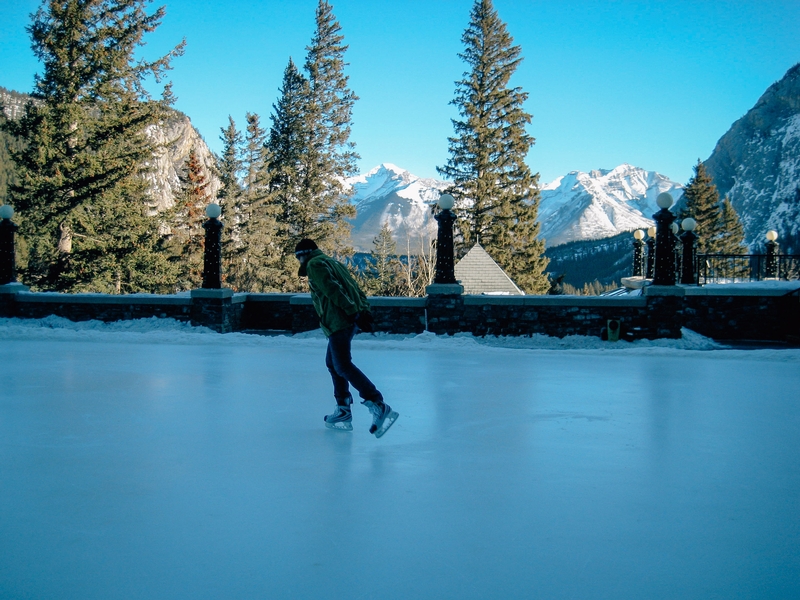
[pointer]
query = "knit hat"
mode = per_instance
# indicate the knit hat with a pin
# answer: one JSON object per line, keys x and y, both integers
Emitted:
{"x": 305, "y": 246}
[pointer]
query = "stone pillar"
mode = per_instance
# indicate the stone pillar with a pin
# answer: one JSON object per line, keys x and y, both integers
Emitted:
{"x": 444, "y": 281}
{"x": 212, "y": 256}
{"x": 771, "y": 266}
{"x": 651, "y": 253}
{"x": 8, "y": 261}
{"x": 688, "y": 241}
{"x": 638, "y": 253}
{"x": 665, "y": 242}
{"x": 8, "y": 258}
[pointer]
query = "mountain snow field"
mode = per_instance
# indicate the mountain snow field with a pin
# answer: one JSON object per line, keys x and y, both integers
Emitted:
{"x": 577, "y": 206}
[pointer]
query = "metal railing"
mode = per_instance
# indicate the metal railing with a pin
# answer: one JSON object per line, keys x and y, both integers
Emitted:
{"x": 731, "y": 268}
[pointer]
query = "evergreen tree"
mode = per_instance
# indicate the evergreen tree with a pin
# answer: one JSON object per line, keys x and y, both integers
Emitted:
{"x": 187, "y": 241}
{"x": 497, "y": 195}
{"x": 81, "y": 196}
{"x": 702, "y": 204}
{"x": 260, "y": 253}
{"x": 731, "y": 236}
{"x": 287, "y": 147}
{"x": 385, "y": 274}
{"x": 329, "y": 156}
{"x": 229, "y": 165}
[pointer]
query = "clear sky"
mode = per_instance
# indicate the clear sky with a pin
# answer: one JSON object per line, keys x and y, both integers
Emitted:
{"x": 653, "y": 84}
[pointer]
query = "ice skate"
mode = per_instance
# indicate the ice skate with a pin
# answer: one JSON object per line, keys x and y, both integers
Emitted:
{"x": 342, "y": 417}
{"x": 382, "y": 417}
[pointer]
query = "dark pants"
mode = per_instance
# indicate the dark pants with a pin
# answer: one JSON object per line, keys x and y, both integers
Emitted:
{"x": 343, "y": 372}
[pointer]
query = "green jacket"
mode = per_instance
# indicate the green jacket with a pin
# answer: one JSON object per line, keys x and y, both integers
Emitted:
{"x": 336, "y": 295}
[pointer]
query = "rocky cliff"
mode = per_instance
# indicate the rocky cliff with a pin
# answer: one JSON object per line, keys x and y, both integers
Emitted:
{"x": 173, "y": 138}
{"x": 757, "y": 162}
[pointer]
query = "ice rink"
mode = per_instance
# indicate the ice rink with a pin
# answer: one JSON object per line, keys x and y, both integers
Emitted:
{"x": 173, "y": 464}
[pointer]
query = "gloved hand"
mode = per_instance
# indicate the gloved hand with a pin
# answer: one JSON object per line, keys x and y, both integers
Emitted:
{"x": 365, "y": 321}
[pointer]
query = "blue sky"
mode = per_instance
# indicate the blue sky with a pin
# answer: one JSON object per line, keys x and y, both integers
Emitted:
{"x": 653, "y": 84}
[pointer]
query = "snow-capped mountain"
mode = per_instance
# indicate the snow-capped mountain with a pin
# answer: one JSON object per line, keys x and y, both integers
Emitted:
{"x": 390, "y": 194}
{"x": 600, "y": 204}
{"x": 578, "y": 206}
{"x": 757, "y": 163}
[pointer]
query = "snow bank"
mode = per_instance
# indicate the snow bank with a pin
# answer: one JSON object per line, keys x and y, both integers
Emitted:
{"x": 170, "y": 331}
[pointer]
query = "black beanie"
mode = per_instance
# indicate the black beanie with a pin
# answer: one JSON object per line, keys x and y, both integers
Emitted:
{"x": 305, "y": 245}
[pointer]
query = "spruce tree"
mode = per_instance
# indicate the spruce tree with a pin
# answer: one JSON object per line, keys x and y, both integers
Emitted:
{"x": 497, "y": 196}
{"x": 385, "y": 274}
{"x": 229, "y": 165}
{"x": 702, "y": 205}
{"x": 260, "y": 252}
{"x": 81, "y": 197}
{"x": 287, "y": 147}
{"x": 187, "y": 241}
{"x": 731, "y": 236}
{"x": 330, "y": 156}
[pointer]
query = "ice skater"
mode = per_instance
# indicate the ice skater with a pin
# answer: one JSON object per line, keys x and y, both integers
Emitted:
{"x": 343, "y": 310}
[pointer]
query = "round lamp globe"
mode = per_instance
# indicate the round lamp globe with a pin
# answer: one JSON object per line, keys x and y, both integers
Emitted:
{"x": 446, "y": 202}
{"x": 664, "y": 200}
{"x": 213, "y": 210}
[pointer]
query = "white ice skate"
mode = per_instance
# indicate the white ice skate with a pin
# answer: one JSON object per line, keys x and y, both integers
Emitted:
{"x": 382, "y": 417}
{"x": 342, "y": 417}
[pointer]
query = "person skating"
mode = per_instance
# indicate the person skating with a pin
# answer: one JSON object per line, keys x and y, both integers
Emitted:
{"x": 343, "y": 310}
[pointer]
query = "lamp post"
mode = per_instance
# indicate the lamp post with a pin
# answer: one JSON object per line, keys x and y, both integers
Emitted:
{"x": 676, "y": 250}
{"x": 8, "y": 269}
{"x": 771, "y": 267}
{"x": 444, "y": 278}
{"x": 688, "y": 239}
{"x": 651, "y": 252}
{"x": 638, "y": 252}
{"x": 665, "y": 242}
{"x": 212, "y": 256}
{"x": 445, "y": 269}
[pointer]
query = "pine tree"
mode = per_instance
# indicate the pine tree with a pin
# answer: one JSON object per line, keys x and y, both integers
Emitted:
{"x": 497, "y": 195}
{"x": 260, "y": 254}
{"x": 187, "y": 241}
{"x": 330, "y": 156}
{"x": 731, "y": 236}
{"x": 385, "y": 274}
{"x": 702, "y": 205}
{"x": 229, "y": 165}
{"x": 287, "y": 147}
{"x": 81, "y": 197}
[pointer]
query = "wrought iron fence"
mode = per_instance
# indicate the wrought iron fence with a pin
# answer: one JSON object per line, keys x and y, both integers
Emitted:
{"x": 730, "y": 268}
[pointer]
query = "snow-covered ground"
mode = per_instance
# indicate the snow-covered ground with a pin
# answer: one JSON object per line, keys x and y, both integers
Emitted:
{"x": 149, "y": 459}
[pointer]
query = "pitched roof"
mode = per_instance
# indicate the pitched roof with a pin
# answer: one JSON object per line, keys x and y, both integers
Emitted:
{"x": 479, "y": 274}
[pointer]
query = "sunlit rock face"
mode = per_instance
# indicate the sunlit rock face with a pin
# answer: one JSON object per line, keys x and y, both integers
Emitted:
{"x": 173, "y": 139}
{"x": 757, "y": 162}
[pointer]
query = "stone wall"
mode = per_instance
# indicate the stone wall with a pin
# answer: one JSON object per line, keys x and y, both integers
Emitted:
{"x": 661, "y": 312}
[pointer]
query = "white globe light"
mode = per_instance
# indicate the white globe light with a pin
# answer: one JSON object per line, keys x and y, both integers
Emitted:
{"x": 6, "y": 211}
{"x": 772, "y": 235}
{"x": 689, "y": 224}
{"x": 664, "y": 200}
{"x": 674, "y": 228}
{"x": 638, "y": 234}
{"x": 651, "y": 232}
{"x": 213, "y": 210}
{"x": 446, "y": 202}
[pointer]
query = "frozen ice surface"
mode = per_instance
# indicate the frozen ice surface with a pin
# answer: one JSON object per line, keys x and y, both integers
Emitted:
{"x": 153, "y": 460}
